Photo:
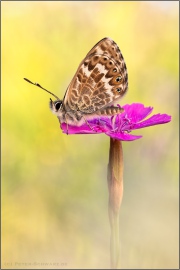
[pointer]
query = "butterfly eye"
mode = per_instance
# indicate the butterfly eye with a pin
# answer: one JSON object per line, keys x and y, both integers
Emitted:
{"x": 118, "y": 79}
{"x": 118, "y": 90}
{"x": 57, "y": 105}
{"x": 114, "y": 70}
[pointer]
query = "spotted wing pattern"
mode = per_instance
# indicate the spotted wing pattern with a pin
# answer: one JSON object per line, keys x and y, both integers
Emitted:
{"x": 100, "y": 80}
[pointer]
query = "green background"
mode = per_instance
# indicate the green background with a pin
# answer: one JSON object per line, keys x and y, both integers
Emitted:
{"x": 54, "y": 186}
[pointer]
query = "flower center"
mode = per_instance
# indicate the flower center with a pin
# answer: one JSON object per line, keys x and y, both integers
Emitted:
{"x": 121, "y": 124}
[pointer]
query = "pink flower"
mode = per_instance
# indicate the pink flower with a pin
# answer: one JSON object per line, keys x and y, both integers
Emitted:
{"x": 119, "y": 126}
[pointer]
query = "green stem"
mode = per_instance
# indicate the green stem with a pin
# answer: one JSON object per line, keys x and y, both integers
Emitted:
{"x": 115, "y": 186}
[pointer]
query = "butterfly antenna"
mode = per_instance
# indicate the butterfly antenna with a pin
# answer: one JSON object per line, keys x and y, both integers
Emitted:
{"x": 37, "y": 84}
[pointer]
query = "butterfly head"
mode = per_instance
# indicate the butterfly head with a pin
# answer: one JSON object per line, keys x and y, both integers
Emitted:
{"x": 55, "y": 106}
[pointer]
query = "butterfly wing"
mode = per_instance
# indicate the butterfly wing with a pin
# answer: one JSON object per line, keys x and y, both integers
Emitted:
{"x": 101, "y": 79}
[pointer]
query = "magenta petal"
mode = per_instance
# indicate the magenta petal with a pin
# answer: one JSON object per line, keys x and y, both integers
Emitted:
{"x": 153, "y": 120}
{"x": 83, "y": 129}
{"x": 136, "y": 111}
{"x": 123, "y": 136}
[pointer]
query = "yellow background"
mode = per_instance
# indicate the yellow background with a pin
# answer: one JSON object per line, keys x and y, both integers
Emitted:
{"x": 54, "y": 186}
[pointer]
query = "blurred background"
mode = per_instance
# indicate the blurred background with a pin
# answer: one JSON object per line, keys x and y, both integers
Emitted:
{"x": 54, "y": 186}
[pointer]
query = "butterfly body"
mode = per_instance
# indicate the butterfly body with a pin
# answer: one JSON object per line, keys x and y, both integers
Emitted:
{"x": 101, "y": 79}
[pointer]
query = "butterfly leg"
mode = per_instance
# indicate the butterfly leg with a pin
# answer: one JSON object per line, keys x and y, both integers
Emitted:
{"x": 66, "y": 124}
{"x": 80, "y": 115}
{"x": 88, "y": 123}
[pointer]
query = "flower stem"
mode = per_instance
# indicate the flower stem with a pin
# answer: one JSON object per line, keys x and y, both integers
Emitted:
{"x": 115, "y": 186}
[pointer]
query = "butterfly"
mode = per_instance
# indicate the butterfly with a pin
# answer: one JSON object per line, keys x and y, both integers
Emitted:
{"x": 100, "y": 80}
